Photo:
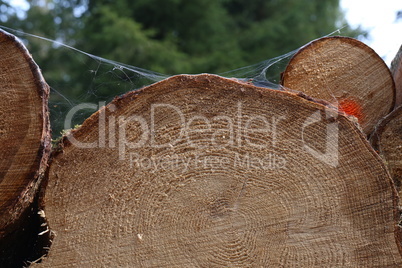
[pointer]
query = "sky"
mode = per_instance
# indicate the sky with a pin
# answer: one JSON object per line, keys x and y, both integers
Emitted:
{"x": 379, "y": 19}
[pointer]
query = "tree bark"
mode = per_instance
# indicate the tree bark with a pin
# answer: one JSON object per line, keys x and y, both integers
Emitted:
{"x": 347, "y": 73}
{"x": 387, "y": 140}
{"x": 204, "y": 171}
{"x": 24, "y": 132}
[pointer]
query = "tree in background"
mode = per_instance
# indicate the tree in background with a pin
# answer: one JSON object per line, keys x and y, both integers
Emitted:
{"x": 169, "y": 36}
{"x": 210, "y": 35}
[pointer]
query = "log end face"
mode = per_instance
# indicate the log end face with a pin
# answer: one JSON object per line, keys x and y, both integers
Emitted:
{"x": 207, "y": 198}
{"x": 25, "y": 128}
{"x": 343, "y": 70}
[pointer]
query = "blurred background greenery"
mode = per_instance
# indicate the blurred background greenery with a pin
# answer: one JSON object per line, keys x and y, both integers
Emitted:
{"x": 166, "y": 36}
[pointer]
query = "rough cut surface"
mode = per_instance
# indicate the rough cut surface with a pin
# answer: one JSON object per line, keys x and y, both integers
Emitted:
{"x": 347, "y": 73}
{"x": 396, "y": 69}
{"x": 24, "y": 130}
{"x": 203, "y": 171}
{"x": 387, "y": 139}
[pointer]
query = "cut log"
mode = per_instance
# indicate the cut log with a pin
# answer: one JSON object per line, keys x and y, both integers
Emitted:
{"x": 387, "y": 140}
{"x": 24, "y": 131}
{"x": 347, "y": 73}
{"x": 396, "y": 69}
{"x": 204, "y": 171}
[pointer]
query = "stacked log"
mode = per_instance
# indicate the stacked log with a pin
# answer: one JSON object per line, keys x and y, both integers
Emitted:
{"x": 206, "y": 171}
{"x": 387, "y": 140}
{"x": 24, "y": 142}
{"x": 396, "y": 69}
{"x": 347, "y": 73}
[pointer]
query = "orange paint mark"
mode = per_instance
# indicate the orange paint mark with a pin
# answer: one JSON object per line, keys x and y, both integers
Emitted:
{"x": 351, "y": 107}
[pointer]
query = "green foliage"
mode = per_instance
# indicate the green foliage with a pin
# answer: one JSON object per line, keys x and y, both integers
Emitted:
{"x": 169, "y": 36}
{"x": 180, "y": 36}
{"x": 121, "y": 38}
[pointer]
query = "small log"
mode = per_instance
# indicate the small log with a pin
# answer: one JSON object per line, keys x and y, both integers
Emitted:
{"x": 347, "y": 73}
{"x": 387, "y": 140}
{"x": 25, "y": 147}
{"x": 396, "y": 69}
{"x": 204, "y": 171}
{"x": 24, "y": 132}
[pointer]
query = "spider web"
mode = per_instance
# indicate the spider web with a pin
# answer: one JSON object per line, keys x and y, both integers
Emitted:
{"x": 105, "y": 79}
